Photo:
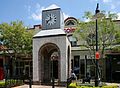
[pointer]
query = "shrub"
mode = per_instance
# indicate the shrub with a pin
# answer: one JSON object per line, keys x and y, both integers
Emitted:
{"x": 2, "y": 84}
{"x": 87, "y": 87}
{"x": 113, "y": 86}
{"x": 73, "y": 85}
{"x": 10, "y": 82}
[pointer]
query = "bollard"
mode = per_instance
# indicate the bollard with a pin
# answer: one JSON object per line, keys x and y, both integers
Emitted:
{"x": 67, "y": 83}
{"x": 69, "y": 80}
{"x": 53, "y": 81}
{"x": 30, "y": 82}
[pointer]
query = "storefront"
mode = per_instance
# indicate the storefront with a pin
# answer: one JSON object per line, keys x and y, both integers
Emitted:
{"x": 113, "y": 67}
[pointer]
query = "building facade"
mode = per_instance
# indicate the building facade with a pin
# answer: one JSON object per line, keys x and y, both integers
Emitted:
{"x": 57, "y": 52}
{"x": 82, "y": 61}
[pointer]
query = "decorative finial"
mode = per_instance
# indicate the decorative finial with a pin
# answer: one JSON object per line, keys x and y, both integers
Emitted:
{"x": 97, "y": 6}
{"x": 97, "y": 10}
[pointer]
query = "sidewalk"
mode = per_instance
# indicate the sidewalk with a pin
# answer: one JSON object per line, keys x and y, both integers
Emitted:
{"x": 118, "y": 84}
{"x": 43, "y": 86}
{"x": 36, "y": 86}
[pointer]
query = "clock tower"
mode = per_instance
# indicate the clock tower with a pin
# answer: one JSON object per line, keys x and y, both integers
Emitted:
{"x": 52, "y": 19}
{"x": 51, "y": 49}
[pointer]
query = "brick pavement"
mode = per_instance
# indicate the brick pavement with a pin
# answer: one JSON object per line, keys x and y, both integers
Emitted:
{"x": 36, "y": 86}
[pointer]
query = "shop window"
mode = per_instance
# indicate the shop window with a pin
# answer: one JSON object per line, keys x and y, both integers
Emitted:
{"x": 82, "y": 68}
{"x": 23, "y": 66}
{"x": 73, "y": 43}
{"x": 76, "y": 61}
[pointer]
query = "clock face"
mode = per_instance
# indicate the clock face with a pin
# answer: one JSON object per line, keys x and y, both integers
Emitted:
{"x": 51, "y": 19}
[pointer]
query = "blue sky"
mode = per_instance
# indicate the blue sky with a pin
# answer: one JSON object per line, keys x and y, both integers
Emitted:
{"x": 29, "y": 11}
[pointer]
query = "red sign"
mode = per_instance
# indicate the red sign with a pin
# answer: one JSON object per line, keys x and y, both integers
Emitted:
{"x": 69, "y": 30}
{"x": 97, "y": 55}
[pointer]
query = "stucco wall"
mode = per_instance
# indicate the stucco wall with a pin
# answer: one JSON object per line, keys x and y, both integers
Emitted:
{"x": 62, "y": 42}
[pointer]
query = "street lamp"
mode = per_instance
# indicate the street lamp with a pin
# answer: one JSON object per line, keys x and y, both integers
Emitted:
{"x": 97, "y": 75}
{"x": 96, "y": 16}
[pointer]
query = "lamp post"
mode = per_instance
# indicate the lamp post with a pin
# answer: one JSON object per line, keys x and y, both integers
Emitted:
{"x": 96, "y": 16}
{"x": 52, "y": 59}
{"x": 97, "y": 75}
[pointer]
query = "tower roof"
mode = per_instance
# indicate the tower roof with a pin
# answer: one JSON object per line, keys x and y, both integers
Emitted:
{"x": 53, "y": 6}
{"x": 51, "y": 32}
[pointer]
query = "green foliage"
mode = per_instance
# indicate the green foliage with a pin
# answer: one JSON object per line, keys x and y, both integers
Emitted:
{"x": 112, "y": 15}
{"x": 88, "y": 15}
{"x": 16, "y": 37}
{"x": 74, "y": 85}
{"x": 11, "y": 83}
{"x": 116, "y": 49}
{"x": 107, "y": 32}
{"x": 97, "y": 87}
{"x": 112, "y": 86}
{"x": 2, "y": 84}
{"x": 117, "y": 37}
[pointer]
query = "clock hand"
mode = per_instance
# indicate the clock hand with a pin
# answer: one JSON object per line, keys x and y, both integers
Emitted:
{"x": 49, "y": 19}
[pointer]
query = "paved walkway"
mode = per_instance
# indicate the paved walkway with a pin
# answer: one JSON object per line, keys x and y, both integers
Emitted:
{"x": 42, "y": 86}
{"x": 118, "y": 84}
{"x": 36, "y": 86}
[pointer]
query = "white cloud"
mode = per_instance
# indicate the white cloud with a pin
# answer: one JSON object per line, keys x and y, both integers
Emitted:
{"x": 65, "y": 16}
{"x": 38, "y": 5}
{"x": 113, "y": 6}
{"x": 37, "y": 15}
{"x": 87, "y": 20}
{"x": 106, "y": 1}
{"x": 93, "y": 0}
{"x": 28, "y": 8}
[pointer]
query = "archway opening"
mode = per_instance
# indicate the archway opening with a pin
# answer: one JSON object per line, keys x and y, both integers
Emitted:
{"x": 49, "y": 62}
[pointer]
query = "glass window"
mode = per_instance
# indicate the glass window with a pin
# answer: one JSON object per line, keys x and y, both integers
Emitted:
{"x": 72, "y": 40}
{"x": 82, "y": 68}
{"x": 76, "y": 61}
{"x": 70, "y": 22}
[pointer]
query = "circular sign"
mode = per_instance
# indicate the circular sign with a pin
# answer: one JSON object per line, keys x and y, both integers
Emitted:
{"x": 97, "y": 55}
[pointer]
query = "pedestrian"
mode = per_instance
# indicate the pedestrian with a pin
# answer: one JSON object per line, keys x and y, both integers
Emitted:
{"x": 73, "y": 76}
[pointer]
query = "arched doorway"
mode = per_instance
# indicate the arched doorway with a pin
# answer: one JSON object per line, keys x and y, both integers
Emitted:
{"x": 49, "y": 61}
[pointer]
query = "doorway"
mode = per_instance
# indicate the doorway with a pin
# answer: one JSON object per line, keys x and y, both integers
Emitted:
{"x": 55, "y": 69}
